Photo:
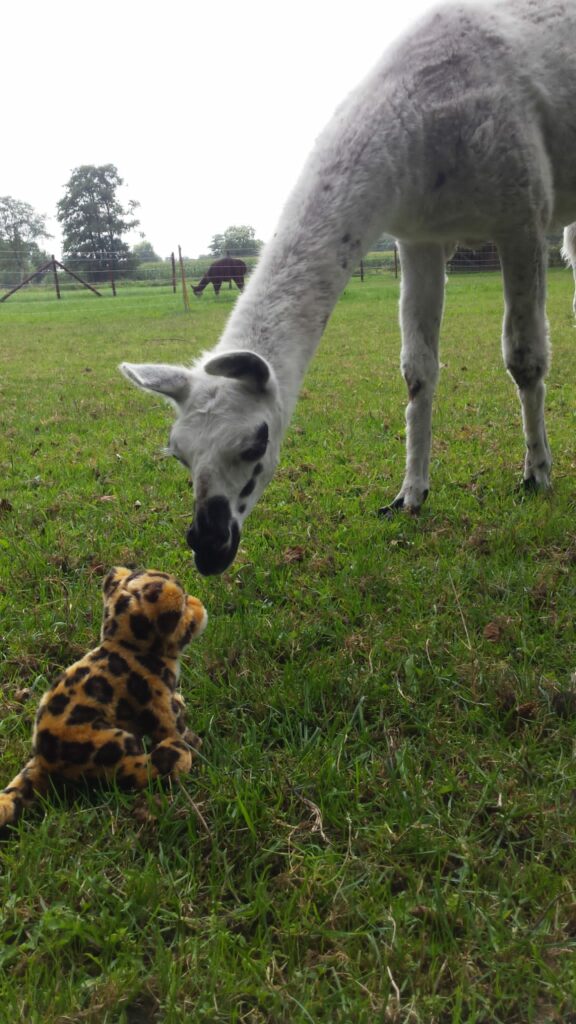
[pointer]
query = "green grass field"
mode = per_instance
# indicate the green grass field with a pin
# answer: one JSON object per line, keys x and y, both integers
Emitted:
{"x": 387, "y": 707}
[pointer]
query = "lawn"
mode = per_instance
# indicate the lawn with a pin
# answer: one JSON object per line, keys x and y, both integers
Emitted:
{"x": 387, "y": 707}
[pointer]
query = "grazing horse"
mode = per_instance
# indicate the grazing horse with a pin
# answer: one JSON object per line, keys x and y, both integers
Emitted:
{"x": 226, "y": 269}
{"x": 465, "y": 130}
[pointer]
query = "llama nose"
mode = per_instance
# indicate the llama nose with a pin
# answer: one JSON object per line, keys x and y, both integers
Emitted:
{"x": 214, "y": 536}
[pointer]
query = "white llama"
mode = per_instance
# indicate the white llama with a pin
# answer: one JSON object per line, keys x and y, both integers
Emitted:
{"x": 569, "y": 254}
{"x": 465, "y": 130}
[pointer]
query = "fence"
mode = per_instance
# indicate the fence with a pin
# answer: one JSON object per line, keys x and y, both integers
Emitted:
{"x": 108, "y": 274}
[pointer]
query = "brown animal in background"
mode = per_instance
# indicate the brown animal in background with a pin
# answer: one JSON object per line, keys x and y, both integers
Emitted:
{"x": 226, "y": 269}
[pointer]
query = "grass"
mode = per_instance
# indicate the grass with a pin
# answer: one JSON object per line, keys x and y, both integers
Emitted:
{"x": 386, "y": 706}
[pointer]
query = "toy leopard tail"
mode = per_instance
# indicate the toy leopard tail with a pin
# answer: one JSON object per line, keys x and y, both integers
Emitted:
{"x": 21, "y": 792}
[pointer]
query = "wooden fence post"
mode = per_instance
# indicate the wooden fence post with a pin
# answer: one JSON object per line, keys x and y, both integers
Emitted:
{"x": 184, "y": 288}
{"x": 56, "y": 282}
{"x": 173, "y": 273}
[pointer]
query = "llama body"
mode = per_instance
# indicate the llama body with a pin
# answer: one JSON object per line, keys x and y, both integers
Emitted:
{"x": 465, "y": 130}
{"x": 569, "y": 254}
{"x": 226, "y": 269}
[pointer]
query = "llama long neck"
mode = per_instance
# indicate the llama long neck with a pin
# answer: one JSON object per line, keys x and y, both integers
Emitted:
{"x": 332, "y": 216}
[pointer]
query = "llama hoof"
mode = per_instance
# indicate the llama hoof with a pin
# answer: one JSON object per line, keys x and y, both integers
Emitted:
{"x": 529, "y": 485}
{"x": 387, "y": 511}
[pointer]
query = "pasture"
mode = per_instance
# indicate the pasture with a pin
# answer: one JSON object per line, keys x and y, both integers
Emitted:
{"x": 387, "y": 707}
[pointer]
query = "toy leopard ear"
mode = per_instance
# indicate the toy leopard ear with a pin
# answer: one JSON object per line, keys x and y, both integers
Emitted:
{"x": 113, "y": 578}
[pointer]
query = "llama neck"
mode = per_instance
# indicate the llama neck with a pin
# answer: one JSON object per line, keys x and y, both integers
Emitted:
{"x": 332, "y": 216}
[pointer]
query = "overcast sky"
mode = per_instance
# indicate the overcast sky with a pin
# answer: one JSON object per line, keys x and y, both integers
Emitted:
{"x": 207, "y": 109}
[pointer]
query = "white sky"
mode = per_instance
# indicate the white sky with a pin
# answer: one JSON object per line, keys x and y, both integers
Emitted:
{"x": 208, "y": 108}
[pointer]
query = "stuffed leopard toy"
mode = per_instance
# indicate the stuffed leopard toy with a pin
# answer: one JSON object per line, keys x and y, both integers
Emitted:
{"x": 91, "y": 722}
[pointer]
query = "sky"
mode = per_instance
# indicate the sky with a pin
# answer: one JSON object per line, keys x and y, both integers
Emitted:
{"x": 208, "y": 108}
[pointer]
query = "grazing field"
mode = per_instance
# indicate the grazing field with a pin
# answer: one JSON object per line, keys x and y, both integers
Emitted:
{"x": 387, "y": 707}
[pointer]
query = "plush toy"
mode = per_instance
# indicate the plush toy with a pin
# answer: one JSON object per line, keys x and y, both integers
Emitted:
{"x": 91, "y": 722}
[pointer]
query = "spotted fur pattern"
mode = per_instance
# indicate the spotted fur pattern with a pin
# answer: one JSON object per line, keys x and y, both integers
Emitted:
{"x": 92, "y": 721}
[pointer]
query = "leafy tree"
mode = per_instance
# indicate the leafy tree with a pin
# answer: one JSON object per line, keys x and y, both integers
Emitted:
{"x": 144, "y": 252}
{"x": 94, "y": 221}
{"x": 237, "y": 240}
{"x": 20, "y": 227}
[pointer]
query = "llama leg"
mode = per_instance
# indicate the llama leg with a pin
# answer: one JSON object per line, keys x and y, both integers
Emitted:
{"x": 569, "y": 254}
{"x": 421, "y": 304}
{"x": 526, "y": 348}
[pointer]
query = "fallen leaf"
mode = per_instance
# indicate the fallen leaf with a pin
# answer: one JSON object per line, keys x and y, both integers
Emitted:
{"x": 293, "y": 555}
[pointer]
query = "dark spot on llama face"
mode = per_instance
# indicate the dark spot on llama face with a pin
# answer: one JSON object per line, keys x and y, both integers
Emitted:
{"x": 248, "y": 488}
{"x": 258, "y": 446}
{"x": 345, "y": 238}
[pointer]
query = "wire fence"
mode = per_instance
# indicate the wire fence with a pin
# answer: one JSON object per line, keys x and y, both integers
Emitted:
{"x": 106, "y": 273}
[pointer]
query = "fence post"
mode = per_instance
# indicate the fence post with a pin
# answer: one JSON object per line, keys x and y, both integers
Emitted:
{"x": 56, "y": 282}
{"x": 173, "y": 273}
{"x": 184, "y": 288}
{"x": 395, "y": 262}
{"x": 361, "y": 270}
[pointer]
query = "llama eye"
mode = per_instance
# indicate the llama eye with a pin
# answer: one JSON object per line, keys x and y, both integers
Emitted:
{"x": 259, "y": 445}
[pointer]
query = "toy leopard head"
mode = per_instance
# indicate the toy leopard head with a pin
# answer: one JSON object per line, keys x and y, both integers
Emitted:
{"x": 149, "y": 611}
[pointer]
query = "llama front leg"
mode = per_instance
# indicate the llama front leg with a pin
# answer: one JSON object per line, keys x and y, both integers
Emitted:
{"x": 569, "y": 254}
{"x": 421, "y": 304}
{"x": 526, "y": 348}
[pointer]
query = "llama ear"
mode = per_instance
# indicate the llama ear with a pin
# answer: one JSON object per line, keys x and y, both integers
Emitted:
{"x": 174, "y": 382}
{"x": 247, "y": 367}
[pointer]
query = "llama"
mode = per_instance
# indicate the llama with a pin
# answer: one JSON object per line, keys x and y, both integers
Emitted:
{"x": 465, "y": 130}
{"x": 569, "y": 254}
{"x": 226, "y": 269}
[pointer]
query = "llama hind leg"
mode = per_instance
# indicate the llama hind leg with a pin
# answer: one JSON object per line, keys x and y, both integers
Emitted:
{"x": 569, "y": 254}
{"x": 421, "y": 305}
{"x": 526, "y": 348}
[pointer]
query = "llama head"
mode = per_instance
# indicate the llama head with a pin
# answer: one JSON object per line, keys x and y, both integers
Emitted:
{"x": 227, "y": 434}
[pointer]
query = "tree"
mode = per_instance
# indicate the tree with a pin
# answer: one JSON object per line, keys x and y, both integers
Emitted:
{"x": 144, "y": 252}
{"x": 94, "y": 221}
{"x": 20, "y": 227}
{"x": 237, "y": 240}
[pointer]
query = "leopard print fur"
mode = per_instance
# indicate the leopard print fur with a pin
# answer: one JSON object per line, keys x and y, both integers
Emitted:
{"x": 91, "y": 722}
